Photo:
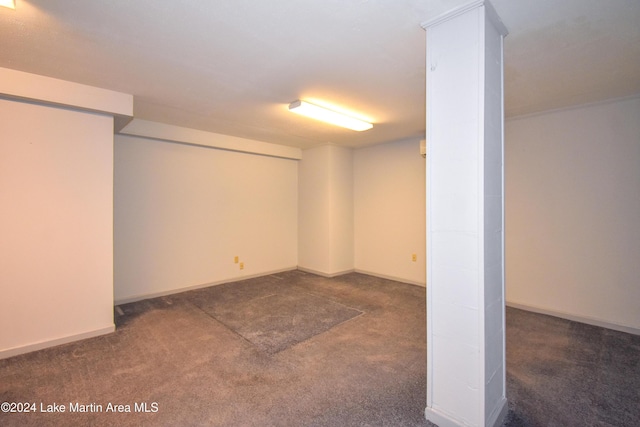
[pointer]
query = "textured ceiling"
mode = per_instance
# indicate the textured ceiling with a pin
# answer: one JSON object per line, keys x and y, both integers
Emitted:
{"x": 232, "y": 67}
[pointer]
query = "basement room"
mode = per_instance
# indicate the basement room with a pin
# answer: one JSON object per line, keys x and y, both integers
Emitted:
{"x": 336, "y": 213}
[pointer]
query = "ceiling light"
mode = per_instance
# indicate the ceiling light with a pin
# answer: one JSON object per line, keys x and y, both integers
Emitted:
{"x": 328, "y": 116}
{"x": 11, "y": 4}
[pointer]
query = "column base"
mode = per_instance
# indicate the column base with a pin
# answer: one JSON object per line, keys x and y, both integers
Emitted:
{"x": 442, "y": 420}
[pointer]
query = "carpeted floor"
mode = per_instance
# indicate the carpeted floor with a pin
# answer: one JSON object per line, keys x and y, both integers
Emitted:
{"x": 564, "y": 373}
{"x": 295, "y": 349}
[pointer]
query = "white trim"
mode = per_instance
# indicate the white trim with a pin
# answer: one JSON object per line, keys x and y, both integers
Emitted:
{"x": 323, "y": 274}
{"x": 15, "y": 351}
{"x": 573, "y": 107}
{"x": 141, "y": 297}
{"x": 457, "y": 11}
{"x": 503, "y": 413}
{"x": 182, "y": 135}
{"x": 32, "y": 87}
{"x": 497, "y": 418}
{"x": 452, "y": 13}
{"x": 481, "y": 143}
{"x": 394, "y": 278}
{"x": 428, "y": 226}
{"x": 495, "y": 19}
{"x": 575, "y": 318}
{"x": 441, "y": 419}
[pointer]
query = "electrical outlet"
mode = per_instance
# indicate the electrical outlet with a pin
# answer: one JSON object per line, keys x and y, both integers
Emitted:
{"x": 242, "y": 266}
{"x": 236, "y": 259}
{"x": 414, "y": 257}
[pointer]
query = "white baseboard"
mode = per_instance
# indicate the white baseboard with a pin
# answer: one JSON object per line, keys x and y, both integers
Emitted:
{"x": 368, "y": 273}
{"x": 575, "y": 318}
{"x": 497, "y": 418}
{"x": 150, "y": 295}
{"x": 440, "y": 419}
{"x": 323, "y": 274}
{"x": 141, "y": 297}
{"x": 395, "y": 279}
{"x": 15, "y": 351}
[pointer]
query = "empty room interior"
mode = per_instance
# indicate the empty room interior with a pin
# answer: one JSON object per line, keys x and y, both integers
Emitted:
{"x": 180, "y": 248}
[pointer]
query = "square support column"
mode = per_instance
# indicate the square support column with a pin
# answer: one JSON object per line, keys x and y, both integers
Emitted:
{"x": 325, "y": 210}
{"x": 465, "y": 218}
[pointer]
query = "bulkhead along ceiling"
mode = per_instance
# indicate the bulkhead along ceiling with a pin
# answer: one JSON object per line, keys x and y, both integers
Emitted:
{"x": 233, "y": 66}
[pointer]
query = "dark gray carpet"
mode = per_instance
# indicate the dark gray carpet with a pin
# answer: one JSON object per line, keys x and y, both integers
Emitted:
{"x": 273, "y": 322}
{"x": 564, "y": 373}
{"x": 368, "y": 370}
{"x": 295, "y": 349}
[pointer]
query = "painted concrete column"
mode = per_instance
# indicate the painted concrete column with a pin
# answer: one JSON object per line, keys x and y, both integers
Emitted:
{"x": 325, "y": 216}
{"x": 465, "y": 227}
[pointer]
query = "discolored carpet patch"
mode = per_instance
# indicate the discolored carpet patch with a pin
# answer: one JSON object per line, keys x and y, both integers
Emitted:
{"x": 276, "y": 322}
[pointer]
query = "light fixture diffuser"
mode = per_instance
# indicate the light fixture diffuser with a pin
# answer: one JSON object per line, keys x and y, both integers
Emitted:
{"x": 328, "y": 116}
{"x": 11, "y": 4}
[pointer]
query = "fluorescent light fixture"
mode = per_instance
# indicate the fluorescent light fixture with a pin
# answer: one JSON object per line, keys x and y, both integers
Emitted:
{"x": 328, "y": 116}
{"x": 11, "y": 4}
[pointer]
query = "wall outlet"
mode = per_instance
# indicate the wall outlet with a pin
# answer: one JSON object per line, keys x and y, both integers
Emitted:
{"x": 414, "y": 257}
{"x": 236, "y": 259}
{"x": 242, "y": 266}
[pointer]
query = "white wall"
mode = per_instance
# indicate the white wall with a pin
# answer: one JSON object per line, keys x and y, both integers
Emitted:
{"x": 56, "y": 216}
{"x": 326, "y": 210}
{"x": 573, "y": 213}
{"x": 313, "y": 224}
{"x": 389, "y": 211}
{"x": 341, "y": 231}
{"x": 183, "y": 212}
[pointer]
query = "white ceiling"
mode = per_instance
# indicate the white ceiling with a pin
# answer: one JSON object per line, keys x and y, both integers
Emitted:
{"x": 233, "y": 66}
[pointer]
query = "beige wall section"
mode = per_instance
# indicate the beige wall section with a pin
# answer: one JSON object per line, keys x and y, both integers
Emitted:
{"x": 325, "y": 232}
{"x": 313, "y": 196}
{"x": 56, "y": 212}
{"x": 389, "y": 210}
{"x": 341, "y": 209}
{"x": 183, "y": 212}
{"x": 572, "y": 213}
